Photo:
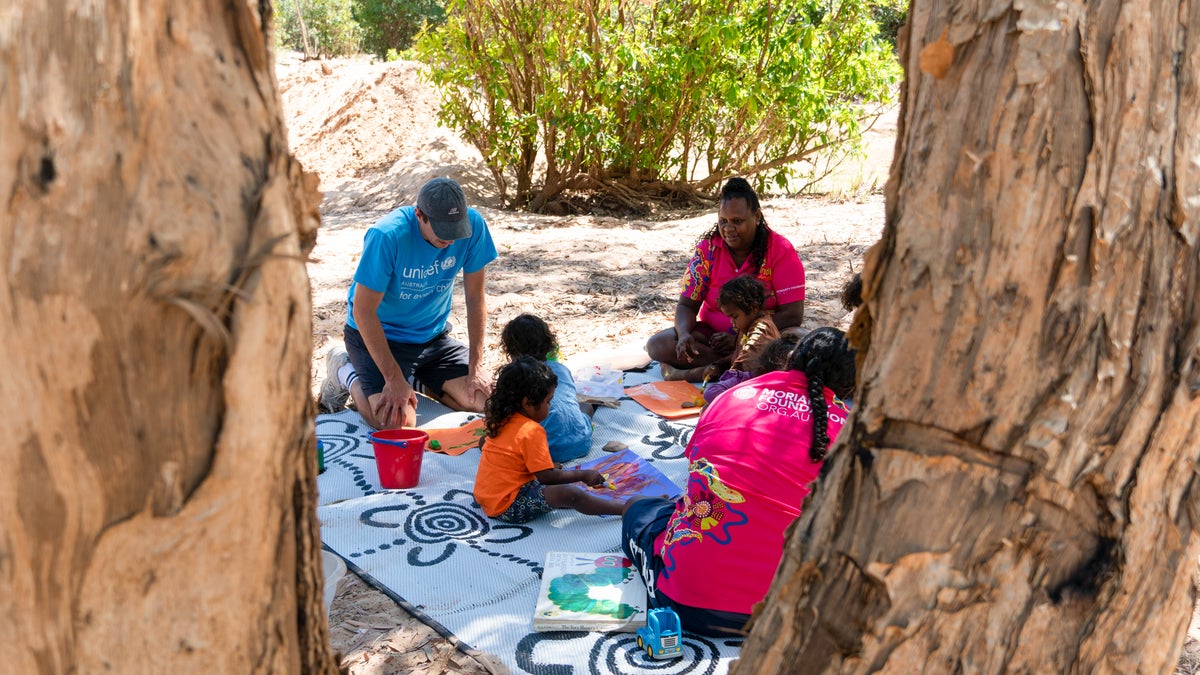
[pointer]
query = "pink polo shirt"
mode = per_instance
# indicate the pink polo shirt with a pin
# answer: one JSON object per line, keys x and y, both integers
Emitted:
{"x": 782, "y": 274}
{"x": 749, "y": 473}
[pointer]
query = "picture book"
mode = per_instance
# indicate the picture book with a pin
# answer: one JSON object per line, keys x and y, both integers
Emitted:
{"x": 629, "y": 475}
{"x": 590, "y": 592}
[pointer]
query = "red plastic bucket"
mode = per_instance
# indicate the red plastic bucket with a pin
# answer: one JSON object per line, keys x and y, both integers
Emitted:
{"x": 398, "y": 454}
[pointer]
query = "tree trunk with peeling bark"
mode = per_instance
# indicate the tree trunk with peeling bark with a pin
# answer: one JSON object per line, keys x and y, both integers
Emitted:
{"x": 1015, "y": 493}
{"x": 158, "y": 493}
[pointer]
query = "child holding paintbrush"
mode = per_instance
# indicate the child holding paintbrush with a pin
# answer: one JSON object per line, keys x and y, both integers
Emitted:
{"x": 517, "y": 480}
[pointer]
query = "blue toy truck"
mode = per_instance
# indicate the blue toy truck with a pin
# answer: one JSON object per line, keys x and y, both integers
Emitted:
{"x": 660, "y": 636}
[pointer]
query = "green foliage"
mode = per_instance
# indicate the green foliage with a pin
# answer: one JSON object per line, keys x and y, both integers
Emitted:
{"x": 613, "y": 93}
{"x": 890, "y": 15}
{"x": 392, "y": 24}
{"x": 328, "y": 24}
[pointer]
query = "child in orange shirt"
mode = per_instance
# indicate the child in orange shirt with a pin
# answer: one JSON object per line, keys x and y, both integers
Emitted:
{"x": 517, "y": 481}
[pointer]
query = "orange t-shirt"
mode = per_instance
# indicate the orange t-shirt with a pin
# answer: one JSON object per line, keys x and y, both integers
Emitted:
{"x": 509, "y": 461}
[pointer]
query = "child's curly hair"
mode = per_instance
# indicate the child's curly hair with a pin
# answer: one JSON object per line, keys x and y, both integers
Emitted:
{"x": 775, "y": 355}
{"x": 524, "y": 378}
{"x": 744, "y": 292}
{"x": 827, "y": 360}
{"x": 852, "y": 293}
{"x": 528, "y": 335}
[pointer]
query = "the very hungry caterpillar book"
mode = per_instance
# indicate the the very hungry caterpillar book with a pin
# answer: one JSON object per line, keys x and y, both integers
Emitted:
{"x": 590, "y": 591}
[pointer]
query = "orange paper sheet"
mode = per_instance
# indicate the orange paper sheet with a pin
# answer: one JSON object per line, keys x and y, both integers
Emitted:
{"x": 457, "y": 440}
{"x": 666, "y": 399}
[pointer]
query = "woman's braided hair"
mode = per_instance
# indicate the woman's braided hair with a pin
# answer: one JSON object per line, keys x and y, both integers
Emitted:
{"x": 523, "y": 378}
{"x": 739, "y": 188}
{"x": 827, "y": 361}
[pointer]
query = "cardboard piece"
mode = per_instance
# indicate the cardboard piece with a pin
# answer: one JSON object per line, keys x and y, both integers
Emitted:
{"x": 666, "y": 399}
{"x": 457, "y": 440}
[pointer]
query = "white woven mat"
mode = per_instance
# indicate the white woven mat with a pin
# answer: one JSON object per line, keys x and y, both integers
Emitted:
{"x": 475, "y": 578}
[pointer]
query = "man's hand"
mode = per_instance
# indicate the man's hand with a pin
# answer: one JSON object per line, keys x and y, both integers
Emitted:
{"x": 390, "y": 405}
{"x": 478, "y": 389}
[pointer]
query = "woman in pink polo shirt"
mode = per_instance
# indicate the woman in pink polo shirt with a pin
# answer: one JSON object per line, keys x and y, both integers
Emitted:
{"x": 712, "y": 554}
{"x": 740, "y": 243}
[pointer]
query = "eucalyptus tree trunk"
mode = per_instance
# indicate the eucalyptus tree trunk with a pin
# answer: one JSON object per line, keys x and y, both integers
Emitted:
{"x": 1015, "y": 493}
{"x": 303, "y": 31}
{"x": 157, "y": 497}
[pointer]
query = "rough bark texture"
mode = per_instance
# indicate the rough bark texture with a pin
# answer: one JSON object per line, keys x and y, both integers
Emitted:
{"x": 1015, "y": 493}
{"x": 157, "y": 503}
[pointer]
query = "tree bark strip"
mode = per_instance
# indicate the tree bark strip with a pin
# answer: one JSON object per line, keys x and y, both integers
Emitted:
{"x": 1015, "y": 492}
{"x": 159, "y": 489}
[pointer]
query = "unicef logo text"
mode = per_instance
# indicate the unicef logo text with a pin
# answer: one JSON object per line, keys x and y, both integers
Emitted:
{"x": 448, "y": 263}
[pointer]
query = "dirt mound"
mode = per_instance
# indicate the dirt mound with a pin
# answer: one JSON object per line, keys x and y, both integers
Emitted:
{"x": 370, "y": 131}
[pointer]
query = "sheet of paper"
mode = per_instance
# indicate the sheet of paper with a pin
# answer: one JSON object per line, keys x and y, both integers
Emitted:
{"x": 630, "y": 476}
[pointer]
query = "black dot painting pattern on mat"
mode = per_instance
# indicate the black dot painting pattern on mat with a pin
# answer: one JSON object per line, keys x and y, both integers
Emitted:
{"x": 669, "y": 442}
{"x": 615, "y": 654}
{"x": 438, "y": 529}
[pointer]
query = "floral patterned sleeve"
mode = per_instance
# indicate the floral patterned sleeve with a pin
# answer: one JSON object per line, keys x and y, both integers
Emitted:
{"x": 699, "y": 272}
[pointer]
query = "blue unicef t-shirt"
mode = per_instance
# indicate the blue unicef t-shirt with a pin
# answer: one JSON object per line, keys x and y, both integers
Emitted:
{"x": 568, "y": 430}
{"x": 415, "y": 277}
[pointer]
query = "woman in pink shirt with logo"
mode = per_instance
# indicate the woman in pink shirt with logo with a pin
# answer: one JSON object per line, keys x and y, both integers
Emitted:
{"x": 740, "y": 243}
{"x": 712, "y": 554}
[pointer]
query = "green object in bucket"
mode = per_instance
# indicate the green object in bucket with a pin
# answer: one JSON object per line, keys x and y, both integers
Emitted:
{"x": 320, "y": 457}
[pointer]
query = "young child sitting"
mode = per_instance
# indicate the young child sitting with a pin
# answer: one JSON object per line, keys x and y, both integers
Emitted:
{"x": 517, "y": 481}
{"x": 742, "y": 299}
{"x": 772, "y": 358}
{"x": 567, "y": 428}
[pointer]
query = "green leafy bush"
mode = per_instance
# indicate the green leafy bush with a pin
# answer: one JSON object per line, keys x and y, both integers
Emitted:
{"x": 890, "y": 15}
{"x": 617, "y": 96}
{"x": 392, "y": 24}
{"x": 328, "y": 25}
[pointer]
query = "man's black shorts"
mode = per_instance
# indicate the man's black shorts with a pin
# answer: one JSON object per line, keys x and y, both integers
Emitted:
{"x": 432, "y": 364}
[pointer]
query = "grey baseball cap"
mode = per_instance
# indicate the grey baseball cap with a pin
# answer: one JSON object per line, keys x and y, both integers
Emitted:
{"x": 443, "y": 203}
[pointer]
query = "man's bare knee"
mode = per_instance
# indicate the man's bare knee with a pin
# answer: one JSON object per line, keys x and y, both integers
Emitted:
{"x": 455, "y": 394}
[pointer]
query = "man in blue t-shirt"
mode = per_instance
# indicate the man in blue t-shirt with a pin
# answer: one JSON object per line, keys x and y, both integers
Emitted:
{"x": 396, "y": 328}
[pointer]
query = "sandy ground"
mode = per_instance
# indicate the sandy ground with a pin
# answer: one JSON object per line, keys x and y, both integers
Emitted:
{"x": 369, "y": 131}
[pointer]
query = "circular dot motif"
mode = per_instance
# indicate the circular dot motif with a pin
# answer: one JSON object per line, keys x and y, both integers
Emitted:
{"x": 437, "y": 523}
{"x": 618, "y": 653}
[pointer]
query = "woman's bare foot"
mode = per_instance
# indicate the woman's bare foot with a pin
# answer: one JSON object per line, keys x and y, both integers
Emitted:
{"x": 671, "y": 373}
